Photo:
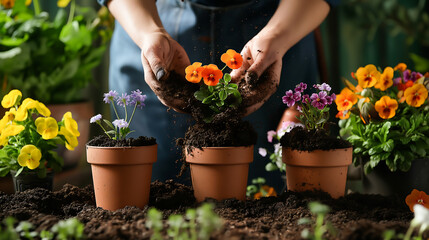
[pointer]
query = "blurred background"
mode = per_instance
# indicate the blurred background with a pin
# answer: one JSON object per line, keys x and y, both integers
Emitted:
{"x": 356, "y": 33}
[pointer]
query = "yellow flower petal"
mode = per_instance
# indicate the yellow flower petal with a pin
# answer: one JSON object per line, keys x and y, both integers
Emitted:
{"x": 47, "y": 127}
{"x": 71, "y": 124}
{"x": 12, "y": 98}
{"x": 23, "y": 159}
{"x": 12, "y": 130}
{"x": 27, "y": 2}
{"x": 416, "y": 95}
{"x": 42, "y": 109}
{"x": 29, "y": 156}
{"x": 71, "y": 140}
{"x": 63, "y": 3}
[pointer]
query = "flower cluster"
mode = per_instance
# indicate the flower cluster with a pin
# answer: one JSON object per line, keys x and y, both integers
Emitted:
{"x": 120, "y": 128}
{"x": 385, "y": 116}
{"x": 216, "y": 92}
{"x": 258, "y": 189}
{"x": 314, "y": 107}
{"x": 276, "y": 162}
{"x": 28, "y": 135}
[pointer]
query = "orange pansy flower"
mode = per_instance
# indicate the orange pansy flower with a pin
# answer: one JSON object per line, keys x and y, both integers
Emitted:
{"x": 193, "y": 72}
{"x": 266, "y": 191}
{"x": 386, "y": 79}
{"x": 417, "y": 197}
{"x": 232, "y": 59}
{"x": 386, "y": 107}
{"x": 368, "y": 76}
{"x": 416, "y": 95}
{"x": 346, "y": 99}
{"x": 211, "y": 75}
{"x": 343, "y": 114}
{"x": 401, "y": 67}
{"x": 8, "y": 3}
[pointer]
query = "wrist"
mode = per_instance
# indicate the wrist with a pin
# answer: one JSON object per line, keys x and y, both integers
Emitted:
{"x": 276, "y": 38}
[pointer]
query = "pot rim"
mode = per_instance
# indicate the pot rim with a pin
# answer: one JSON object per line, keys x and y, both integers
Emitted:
{"x": 122, "y": 155}
{"x": 318, "y": 158}
{"x": 116, "y": 148}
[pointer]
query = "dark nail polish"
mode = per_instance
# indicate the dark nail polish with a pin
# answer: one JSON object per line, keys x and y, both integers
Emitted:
{"x": 160, "y": 74}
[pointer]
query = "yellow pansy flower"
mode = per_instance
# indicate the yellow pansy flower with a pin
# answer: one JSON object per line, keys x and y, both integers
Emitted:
{"x": 47, "y": 127}
{"x": 386, "y": 79}
{"x": 3, "y": 140}
{"x": 416, "y": 95}
{"x": 29, "y": 103}
{"x": 368, "y": 76}
{"x": 386, "y": 107}
{"x": 71, "y": 124}
{"x": 29, "y": 156}
{"x": 27, "y": 2}
{"x": 10, "y": 99}
{"x": 10, "y": 115}
{"x": 63, "y": 3}
{"x": 71, "y": 140}
{"x": 12, "y": 130}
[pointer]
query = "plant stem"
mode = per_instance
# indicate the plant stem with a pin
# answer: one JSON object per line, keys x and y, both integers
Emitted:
{"x": 223, "y": 68}
{"x": 36, "y": 6}
{"x": 114, "y": 108}
{"x": 98, "y": 122}
{"x": 409, "y": 232}
{"x": 72, "y": 9}
{"x": 132, "y": 115}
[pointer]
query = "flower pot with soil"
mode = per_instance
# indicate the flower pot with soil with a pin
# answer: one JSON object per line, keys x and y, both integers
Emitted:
{"x": 29, "y": 138}
{"x": 121, "y": 168}
{"x": 219, "y": 147}
{"x": 386, "y": 118}
{"x": 314, "y": 160}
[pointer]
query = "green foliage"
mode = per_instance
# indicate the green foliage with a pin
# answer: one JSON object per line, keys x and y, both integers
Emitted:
{"x": 255, "y": 186}
{"x": 196, "y": 224}
{"x": 396, "y": 142}
{"x": 70, "y": 229}
{"x": 225, "y": 94}
{"x": 50, "y": 60}
{"x": 320, "y": 225}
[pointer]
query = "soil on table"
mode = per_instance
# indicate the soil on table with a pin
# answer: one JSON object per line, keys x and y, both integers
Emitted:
{"x": 300, "y": 139}
{"x": 104, "y": 141}
{"x": 355, "y": 216}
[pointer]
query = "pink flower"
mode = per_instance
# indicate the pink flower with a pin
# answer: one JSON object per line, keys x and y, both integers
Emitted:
{"x": 270, "y": 135}
{"x": 319, "y": 101}
{"x": 290, "y": 98}
{"x": 262, "y": 152}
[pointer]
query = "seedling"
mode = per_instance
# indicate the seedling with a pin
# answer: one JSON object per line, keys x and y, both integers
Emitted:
{"x": 320, "y": 226}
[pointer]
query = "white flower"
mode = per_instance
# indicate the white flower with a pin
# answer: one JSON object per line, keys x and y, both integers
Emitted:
{"x": 421, "y": 217}
{"x": 120, "y": 123}
{"x": 96, "y": 118}
{"x": 263, "y": 152}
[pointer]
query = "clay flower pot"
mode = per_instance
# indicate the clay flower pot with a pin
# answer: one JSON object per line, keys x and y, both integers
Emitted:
{"x": 324, "y": 170}
{"x": 121, "y": 175}
{"x": 220, "y": 172}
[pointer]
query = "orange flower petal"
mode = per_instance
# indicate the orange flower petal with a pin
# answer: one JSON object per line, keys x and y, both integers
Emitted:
{"x": 417, "y": 197}
{"x": 386, "y": 107}
{"x": 211, "y": 75}
{"x": 232, "y": 59}
{"x": 345, "y": 100}
{"x": 368, "y": 76}
{"x": 416, "y": 95}
{"x": 386, "y": 79}
{"x": 401, "y": 67}
{"x": 193, "y": 72}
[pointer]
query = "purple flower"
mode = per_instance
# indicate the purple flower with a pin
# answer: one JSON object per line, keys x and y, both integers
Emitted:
{"x": 123, "y": 100}
{"x": 306, "y": 99}
{"x": 262, "y": 152}
{"x": 110, "y": 96}
{"x": 324, "y": 87}
{"x": 299, "y": 108}
{"x": 319, "y": 100}
{"x": 290, "y": 98}
{"x": 397, "y": 81}
{"x": 331, "y": 98}
{"x": 96, "y": 118}
{"x": 301, "y": 87}
{"x": 270, "y": 135}
{"x": 120, "y": 123}
{"x": 137, "y": 98}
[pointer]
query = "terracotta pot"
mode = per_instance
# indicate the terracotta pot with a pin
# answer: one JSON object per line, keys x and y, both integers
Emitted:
{"x": 220, "y": 172}
{"x": 81, "y": 112}
{"x": 121, "y": 175}
{"x": 324, "y": 170}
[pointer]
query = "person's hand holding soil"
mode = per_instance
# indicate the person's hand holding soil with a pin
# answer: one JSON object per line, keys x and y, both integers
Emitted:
{"x": 262, "y": 55}
{"x": 160, "y": 56}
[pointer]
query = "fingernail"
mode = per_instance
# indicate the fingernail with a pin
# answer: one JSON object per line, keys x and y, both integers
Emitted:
{"x": 160, "y": 74}
{"x": 251, "y": 78}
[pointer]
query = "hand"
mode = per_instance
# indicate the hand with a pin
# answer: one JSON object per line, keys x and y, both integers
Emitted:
{"x": 160, "y": 56}
{"x": 262, "y": 63}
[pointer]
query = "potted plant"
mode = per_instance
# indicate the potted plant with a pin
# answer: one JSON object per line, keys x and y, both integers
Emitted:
{"x": 386, "y": 118}
{"x": 219, "y": 147}
{"x": 121, "y": 167}
{"x": 314, "y": 160}
{"x": 51, "y": 58}
{"x": 29, "y": 136}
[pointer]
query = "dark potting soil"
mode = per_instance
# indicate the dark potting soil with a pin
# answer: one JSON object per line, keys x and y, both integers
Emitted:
{"x": 104, "y": 141}
{"x": 355, "y": 216}
{"x": 300, "y": 139}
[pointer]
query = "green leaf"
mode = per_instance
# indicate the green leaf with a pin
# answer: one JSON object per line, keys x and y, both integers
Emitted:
{"x": 233, "y": 86}
{"x": 208, "y": 99}
{"x": 227, "y": 77}
{"x": 4, "y": 171}
{"x": 108, "y": 123}
{"x": 19, "y": 171}
{"x": 222, "y": 95}
{"x": 318, "y": 208}
{"x": 75, "y": 37}
{"x": 202, "y": 93}
{"x": 270, "y": 167}
{"x": 302, "y": 221}
{"x": 14, "y": 59}
{"x": 388, "y": 146}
